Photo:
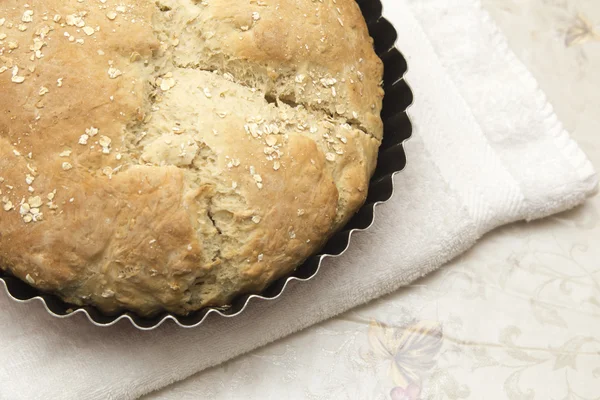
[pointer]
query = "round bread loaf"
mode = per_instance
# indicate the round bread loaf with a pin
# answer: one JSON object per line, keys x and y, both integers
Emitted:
{"x": 170, "y": 155}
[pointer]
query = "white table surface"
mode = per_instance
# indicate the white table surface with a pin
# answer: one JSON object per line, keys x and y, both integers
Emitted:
{"x": 517, "y": 317}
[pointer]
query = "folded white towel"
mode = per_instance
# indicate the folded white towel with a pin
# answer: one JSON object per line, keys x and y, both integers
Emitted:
{"x": 487, "y": 150}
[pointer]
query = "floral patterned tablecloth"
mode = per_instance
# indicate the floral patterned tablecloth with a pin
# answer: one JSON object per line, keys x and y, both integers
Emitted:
{"x": 517, "y": 317}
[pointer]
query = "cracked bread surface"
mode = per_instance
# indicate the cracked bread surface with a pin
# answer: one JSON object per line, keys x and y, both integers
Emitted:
{"x": 170, "y": 155}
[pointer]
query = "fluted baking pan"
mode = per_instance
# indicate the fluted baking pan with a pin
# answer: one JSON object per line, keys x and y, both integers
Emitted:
{"x": 392, "y": 160}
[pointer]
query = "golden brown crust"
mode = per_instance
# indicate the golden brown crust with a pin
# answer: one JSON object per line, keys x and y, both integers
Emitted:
{"x": 170, "y": 156}
{"x": 318, "y": 54}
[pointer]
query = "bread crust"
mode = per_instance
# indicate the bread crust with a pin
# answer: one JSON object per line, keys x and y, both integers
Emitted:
{"x": 169, "y": 156}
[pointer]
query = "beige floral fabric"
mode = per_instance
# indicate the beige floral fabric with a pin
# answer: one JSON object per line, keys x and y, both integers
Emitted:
{"x": 517, "y": 317}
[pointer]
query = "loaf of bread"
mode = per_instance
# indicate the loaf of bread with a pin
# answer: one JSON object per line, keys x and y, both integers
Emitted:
{"x": 170, "y": 155}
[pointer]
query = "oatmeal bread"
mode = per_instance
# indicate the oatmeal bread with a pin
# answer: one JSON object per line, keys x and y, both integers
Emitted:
{"x": 169, "y": 155}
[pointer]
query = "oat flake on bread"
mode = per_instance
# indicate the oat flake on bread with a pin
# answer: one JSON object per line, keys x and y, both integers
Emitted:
{"x": 169, "y": 155}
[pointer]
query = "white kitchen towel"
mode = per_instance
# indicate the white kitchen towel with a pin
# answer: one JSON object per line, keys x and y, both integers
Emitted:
{"x": 487, "y": 150}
